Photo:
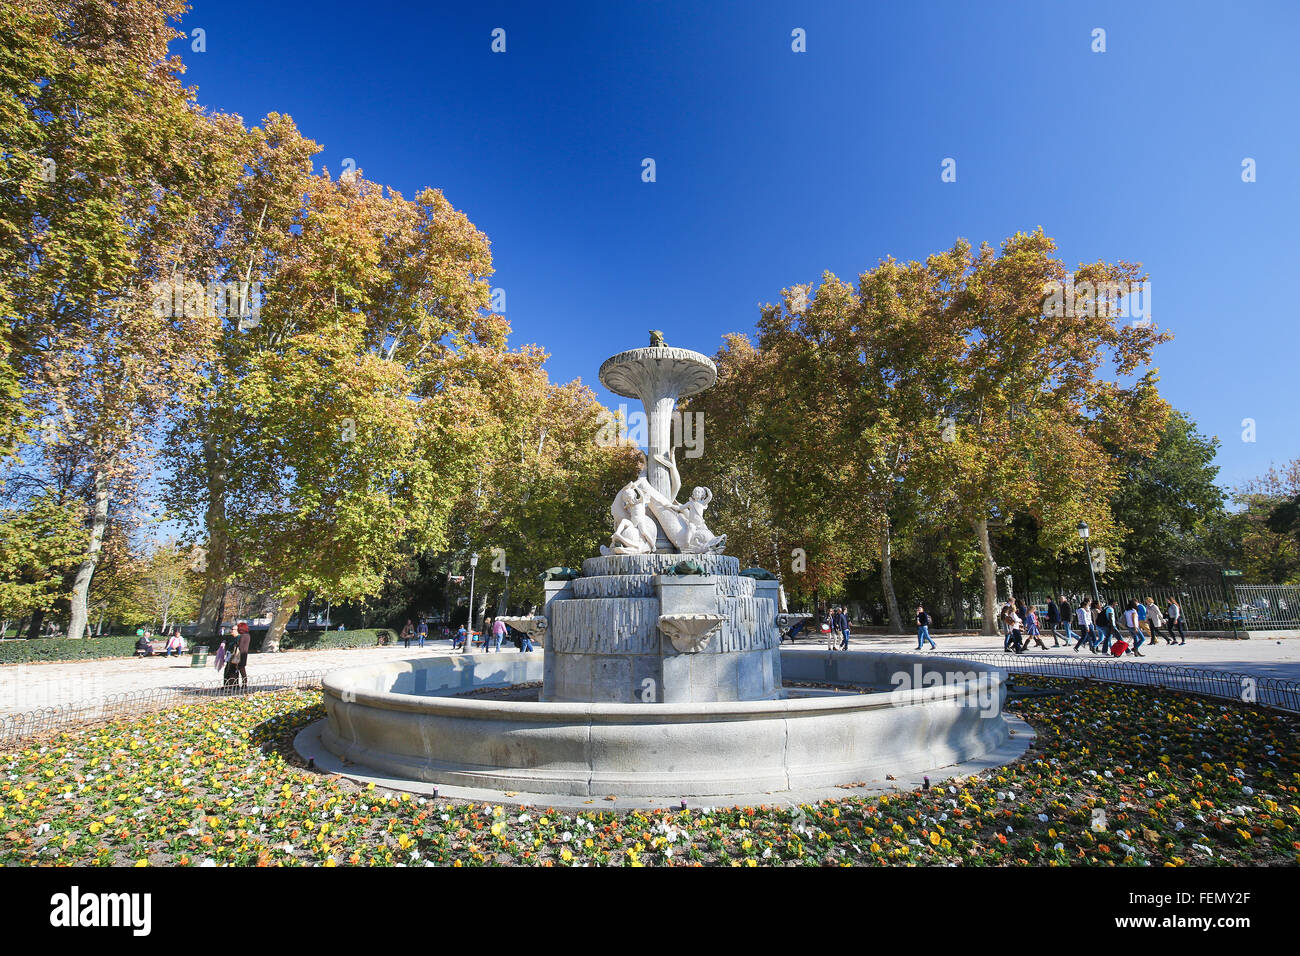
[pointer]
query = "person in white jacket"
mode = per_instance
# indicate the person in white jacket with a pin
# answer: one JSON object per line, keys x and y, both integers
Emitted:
{"x": 1155, "y": 620}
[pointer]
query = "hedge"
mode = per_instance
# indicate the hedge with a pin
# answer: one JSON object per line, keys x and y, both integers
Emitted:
{"x": 62, "y": 649}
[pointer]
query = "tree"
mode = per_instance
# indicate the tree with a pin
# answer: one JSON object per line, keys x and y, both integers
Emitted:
{"x": 167, "y": 589}
{"x": 114, "y": 164}
{"x": 40, "y": 542}
{"x": 1018, "y": 391}
{"x": 1167, "y": 501}
{"x": 1266, "y": 551}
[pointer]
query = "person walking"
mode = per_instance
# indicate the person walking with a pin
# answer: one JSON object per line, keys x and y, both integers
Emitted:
{"x": 1031, "y": 627}
{"x": 245, "y": 640}
{"x": 1054, "y": 622}
{"x": 230, "y": 676}
{"x": 1105, "y": 619}
{"x": 922, "y": 630}
{"x": 1012, "y": 622}
{"x": 1134, "y": 625}
{"x": 423, "y": 631}
{"x": 1084, "y": 619}
{"x": 1174, "y": 618}
{"x": 1154, "y": 620}
{"x": 408, "y": 632}
{"x": 1066, "y": 614}
{"x": 1141, "y": 616}
{"x": 840, "y": 624}
{"x": 498, "y": 634}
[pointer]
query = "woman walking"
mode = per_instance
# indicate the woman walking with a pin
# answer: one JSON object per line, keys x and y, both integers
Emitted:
{"x": 1154, "y": 620}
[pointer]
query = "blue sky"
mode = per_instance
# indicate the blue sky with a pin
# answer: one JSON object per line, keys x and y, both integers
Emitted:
{"x": 773, "y": 166}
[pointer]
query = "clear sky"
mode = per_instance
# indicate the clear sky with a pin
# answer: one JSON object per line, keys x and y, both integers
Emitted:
{"x": 772, "y": 165}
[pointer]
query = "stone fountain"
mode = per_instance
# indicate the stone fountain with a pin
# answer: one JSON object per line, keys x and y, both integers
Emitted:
{"x": 662, "y": 673}
{"x": 661, "y": 616}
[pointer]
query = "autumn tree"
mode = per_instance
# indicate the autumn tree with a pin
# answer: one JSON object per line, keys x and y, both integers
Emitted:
{"x": 115, "y": 165}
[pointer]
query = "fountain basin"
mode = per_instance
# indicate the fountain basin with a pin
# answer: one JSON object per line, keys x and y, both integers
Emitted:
{"x": 396, "y": 717}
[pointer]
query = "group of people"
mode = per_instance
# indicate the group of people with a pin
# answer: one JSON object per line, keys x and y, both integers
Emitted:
{"x": 494, "y": 633}
{"x": 1098, "y": 623}
{"x": 174, "y": 646}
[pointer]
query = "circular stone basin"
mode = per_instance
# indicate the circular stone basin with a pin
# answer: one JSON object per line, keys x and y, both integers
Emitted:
{"x": 401, "y": 718}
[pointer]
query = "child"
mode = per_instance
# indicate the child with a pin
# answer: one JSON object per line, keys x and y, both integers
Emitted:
{"x": 1031, "y": 627}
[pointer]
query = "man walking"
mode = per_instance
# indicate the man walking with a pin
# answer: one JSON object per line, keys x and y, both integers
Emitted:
{"x": 1054, "y": 622}
{"x": 498, "y": 633}
{"x": 840, "y": 622}
{"x": 1065, "y": 612}
{"x": 1174, "y": 618}
{"x": 922, "y": 629}
{"x": 1104, "y": 615}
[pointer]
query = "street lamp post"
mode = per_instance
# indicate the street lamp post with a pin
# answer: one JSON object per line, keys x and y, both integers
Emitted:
{"x": 469, "y": 637}
{"x": 1083, "y": 533}
{"x": 505, "y": 598}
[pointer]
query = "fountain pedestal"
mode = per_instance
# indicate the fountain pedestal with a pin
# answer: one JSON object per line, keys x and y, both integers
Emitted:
{"x": 627, "y": 632}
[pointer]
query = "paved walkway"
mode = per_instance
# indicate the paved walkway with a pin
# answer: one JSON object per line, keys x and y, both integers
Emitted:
{"x": 25, "y": 687}
{"x": 1262, "y": 657}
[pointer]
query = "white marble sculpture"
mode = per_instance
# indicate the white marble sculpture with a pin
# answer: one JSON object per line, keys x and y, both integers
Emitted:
{"x": 682, "y": 523}
{"x": 659, "y": 376}
{"x": 636, "y": 531}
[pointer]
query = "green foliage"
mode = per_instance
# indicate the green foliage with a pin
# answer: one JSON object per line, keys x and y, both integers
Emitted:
{"x": 1167, "y": 502}
{"x": 40, "y": 542}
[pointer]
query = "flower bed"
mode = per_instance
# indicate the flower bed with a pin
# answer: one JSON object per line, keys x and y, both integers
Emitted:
{"x": 1180, "y": 780}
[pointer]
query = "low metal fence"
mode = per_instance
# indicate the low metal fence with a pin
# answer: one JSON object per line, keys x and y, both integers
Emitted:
{"x": 1274, "y": 692}
{"x": 18, "y": 727}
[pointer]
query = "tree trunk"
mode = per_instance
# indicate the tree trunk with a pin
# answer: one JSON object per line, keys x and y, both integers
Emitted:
{"x": 887, "y": 581}
{"x": 304, "y": 614}
{"x": 989, "y": 568}
{"x": 279, "y": 620}
{"x": 213, "y": 605}
{"x": 34, "y": 626}
{"x": 958, "y": 598}
{"x": 79, "y": 600}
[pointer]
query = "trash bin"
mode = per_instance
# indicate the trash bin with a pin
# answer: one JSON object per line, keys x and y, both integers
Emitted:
{"x": 200, "y": 656}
